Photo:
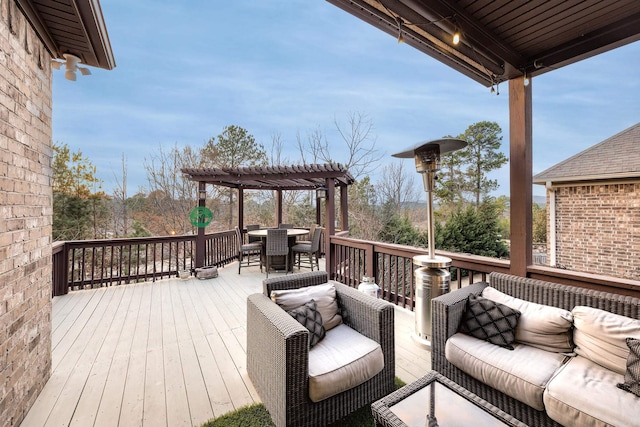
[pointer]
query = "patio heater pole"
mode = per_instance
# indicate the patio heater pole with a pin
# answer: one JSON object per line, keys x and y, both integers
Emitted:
{"x": 431, "y": 277}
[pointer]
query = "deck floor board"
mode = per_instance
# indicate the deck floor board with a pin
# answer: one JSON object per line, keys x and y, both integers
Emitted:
{"x": 167, "y": 353}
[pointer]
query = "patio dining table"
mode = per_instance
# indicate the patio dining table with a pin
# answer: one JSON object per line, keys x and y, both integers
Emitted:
{"x": 292, "y": 234}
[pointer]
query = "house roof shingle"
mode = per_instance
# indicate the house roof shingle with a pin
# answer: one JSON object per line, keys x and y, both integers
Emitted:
{"x": 617, "y": 157}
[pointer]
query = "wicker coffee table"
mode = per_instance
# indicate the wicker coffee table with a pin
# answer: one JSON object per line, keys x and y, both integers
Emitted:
{"x": 434, "y": 400}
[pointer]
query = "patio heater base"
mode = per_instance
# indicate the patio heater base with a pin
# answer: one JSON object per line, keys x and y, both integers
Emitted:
{"x": 420, "y": 342}
{"x": 432, "y": 280}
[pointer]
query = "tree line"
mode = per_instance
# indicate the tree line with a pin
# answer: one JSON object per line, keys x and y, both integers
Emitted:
{"x": 389, "y": 209}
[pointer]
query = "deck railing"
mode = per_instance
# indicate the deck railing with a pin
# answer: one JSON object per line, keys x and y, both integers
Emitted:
{"x": 96, "y": 263}
{"x": 392, "y": 267}
{"x": 85, "y": 264}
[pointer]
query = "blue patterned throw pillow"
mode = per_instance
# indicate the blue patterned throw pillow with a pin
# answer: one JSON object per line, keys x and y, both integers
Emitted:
{"x": 309, "y": 317}
{"x": 490, "y": 321}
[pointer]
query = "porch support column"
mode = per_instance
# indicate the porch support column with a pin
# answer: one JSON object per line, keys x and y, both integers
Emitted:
{"x": 521, "y": 171}
{"x": 200, "y": 240}
{"x": 330, "y": 228}
{"x": 278, "y": 207}
{"x": 240, "y": 209}
{"x": 344, "y": 207}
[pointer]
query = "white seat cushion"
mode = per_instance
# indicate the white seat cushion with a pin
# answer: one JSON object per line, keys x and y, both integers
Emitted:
{"x": 342, "y": 360}
{"x": 583, "y": 393}
{"x": 521, "y": 373}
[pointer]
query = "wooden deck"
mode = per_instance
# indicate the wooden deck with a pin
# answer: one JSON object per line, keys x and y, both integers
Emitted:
{"x": 169, "y": 353}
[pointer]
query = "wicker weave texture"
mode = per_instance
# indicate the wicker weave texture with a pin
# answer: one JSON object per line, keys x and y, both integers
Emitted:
{"x": 448, "y": 309}
{"x": 277, "y": 353}
{"x": 310, "y": 249}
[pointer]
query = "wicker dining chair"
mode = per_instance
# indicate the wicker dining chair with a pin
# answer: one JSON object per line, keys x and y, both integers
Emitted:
{"x": 277, "y": 245}
{"x": 248, "y": 249}
{"x": 311, "y": 230}
{"x": 311, "y": 249}
{"x": 253, "y": 239}
{"x": 285, "y": 226}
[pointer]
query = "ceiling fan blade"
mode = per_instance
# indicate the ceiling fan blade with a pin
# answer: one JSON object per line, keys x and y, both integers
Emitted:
{"x": 84, "y": 71}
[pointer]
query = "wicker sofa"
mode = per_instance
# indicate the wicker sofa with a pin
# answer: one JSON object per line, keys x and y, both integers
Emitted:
{"x": 278, "y": 353}
{"x": 448, "y": 311}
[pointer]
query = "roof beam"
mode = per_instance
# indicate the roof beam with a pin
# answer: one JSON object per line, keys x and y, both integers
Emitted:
{"x": 590, "y": 44}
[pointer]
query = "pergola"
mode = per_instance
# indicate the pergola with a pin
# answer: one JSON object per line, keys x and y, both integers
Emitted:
{"x": 325, "y": 177}
{"x": 507, "y": 41}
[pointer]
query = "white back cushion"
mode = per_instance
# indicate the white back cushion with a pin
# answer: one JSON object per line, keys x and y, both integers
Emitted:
{"x": 542, "y": 326}
{"x": 600, "y": 336}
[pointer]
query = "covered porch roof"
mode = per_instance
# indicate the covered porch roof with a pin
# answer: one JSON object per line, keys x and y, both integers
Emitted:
{"x": 509, "y": 41}
{"x": 499, "y": 39}
{"x": 71, "y": 26}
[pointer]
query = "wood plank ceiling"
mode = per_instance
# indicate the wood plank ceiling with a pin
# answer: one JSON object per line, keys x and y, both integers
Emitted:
{"x": 71, "y": 26}
{"x": 503, "y": 39}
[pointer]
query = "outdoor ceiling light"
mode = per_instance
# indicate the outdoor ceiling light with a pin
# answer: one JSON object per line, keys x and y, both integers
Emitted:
{"x": 71, "y": 64}
{"x": 456, "y": 37}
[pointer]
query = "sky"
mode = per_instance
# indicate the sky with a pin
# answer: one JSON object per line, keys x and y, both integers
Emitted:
{"x": 186, "y": 69}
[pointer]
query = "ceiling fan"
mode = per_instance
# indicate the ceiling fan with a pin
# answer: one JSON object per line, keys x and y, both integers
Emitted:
{"x": 71, "y": 63}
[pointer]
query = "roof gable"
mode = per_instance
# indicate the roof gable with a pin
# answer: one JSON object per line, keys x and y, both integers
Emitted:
{"x": 617, "y": 157}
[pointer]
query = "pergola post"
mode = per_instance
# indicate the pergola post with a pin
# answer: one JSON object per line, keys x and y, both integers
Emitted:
{"x": 200, "y": 240}
{"x": 344, "y": 207}
{"x": 240, "y": 209}
{"x": 330, "y": 228}
{"x": 521, "y": 175}
{"x": 278, "y": 207}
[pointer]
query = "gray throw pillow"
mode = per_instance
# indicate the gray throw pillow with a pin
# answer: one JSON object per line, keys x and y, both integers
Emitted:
{"x": 632, "y": 375}
{"x": 490, "y": 321}
{"x": 309, "y": 317}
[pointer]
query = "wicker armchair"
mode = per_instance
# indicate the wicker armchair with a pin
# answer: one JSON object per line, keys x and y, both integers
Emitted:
{"x": 277, "y": 353}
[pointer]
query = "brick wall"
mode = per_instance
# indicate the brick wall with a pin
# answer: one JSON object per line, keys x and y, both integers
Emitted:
{"x": 598, "y": 229}
{"x": 25, "y": 215}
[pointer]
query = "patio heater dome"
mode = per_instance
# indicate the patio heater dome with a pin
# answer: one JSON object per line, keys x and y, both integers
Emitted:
{"x": 431, "y": 278}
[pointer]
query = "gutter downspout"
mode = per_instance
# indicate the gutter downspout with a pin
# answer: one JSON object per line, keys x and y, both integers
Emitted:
{"x": 551, "y": 238}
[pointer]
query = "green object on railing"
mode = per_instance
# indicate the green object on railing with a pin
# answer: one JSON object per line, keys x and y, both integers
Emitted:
{"x": 201, "y": 216}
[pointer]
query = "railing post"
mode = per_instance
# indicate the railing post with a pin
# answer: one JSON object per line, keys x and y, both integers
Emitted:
{"x": 200, "y": 240}
{"x": 369, "y": 256}
{"x": 60, "y": 269}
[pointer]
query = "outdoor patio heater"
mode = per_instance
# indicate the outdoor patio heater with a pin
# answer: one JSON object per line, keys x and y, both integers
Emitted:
{"x": 432, "y": 278}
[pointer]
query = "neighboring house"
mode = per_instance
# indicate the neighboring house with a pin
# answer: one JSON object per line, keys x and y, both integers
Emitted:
{"x": 32, "y": 33}
{"x": 593, "y": 208}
